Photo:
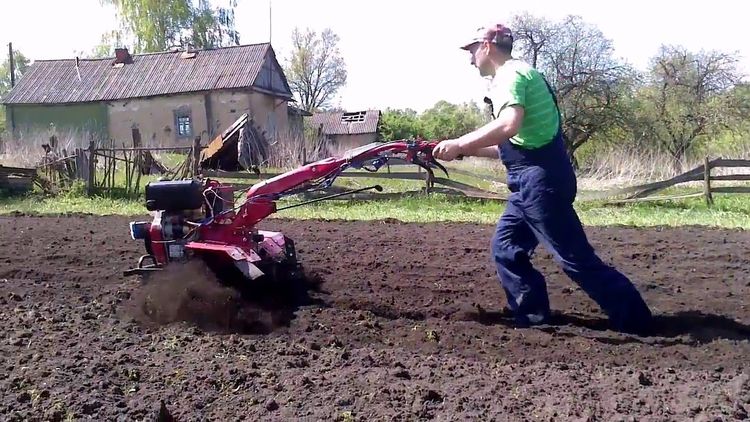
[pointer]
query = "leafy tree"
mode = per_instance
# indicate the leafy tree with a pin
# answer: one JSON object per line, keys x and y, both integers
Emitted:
{"x": 687, "y": 96}
{"x": 445, "y": 120}
{"x": 400, "y": 124}
{"x": 156, "y": 25}
{"x": 106, "y": 47}
{"x": 315, "y": 68}
{"x": 579, "y": 62}
{"x": 20, "y": 64}
{"x": 441, "y": 121}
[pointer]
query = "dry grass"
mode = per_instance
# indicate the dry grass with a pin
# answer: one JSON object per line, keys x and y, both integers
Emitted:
{"x": 618, "y": 167}
{"x": 26, "y": 150}
{"x": 286, "y": 150}
{"x": 621, "y": 167}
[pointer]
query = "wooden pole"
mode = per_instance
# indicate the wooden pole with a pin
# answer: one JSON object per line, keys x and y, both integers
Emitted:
{"x": 11, "y": 64}
{"x": 92, "y": 168}
{"x": 707, "y": 181}
{"x": 196, "y": 155}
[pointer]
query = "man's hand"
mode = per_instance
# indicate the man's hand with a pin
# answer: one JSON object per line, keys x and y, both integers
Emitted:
{"x": 447, "y": 150}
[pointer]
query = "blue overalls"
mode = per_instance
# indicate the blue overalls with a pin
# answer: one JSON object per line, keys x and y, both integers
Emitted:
{"x": 540, "y": 210}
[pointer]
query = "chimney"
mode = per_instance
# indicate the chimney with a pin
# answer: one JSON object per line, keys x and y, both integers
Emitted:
{"x": 122, "y": 56}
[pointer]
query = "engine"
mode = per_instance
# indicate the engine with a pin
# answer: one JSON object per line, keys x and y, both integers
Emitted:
{"x": 178, "y": 207}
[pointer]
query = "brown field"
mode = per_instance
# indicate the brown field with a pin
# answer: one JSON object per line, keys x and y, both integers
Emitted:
{"x": 405, "y": 323}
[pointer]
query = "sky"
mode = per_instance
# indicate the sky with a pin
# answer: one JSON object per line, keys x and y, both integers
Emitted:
{"x": 398, "y": 53}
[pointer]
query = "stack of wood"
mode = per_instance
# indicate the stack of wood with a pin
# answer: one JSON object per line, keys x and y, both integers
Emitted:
{"x": 147, "y": 163}
{"x": 17, "y": 179}
{"x": 58, "y": 166}
{"x": 243, "y": 146}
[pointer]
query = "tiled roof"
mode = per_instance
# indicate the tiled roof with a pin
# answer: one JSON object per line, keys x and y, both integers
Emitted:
{"x": 347, "y": 123}
{"x": 57, "y": 81}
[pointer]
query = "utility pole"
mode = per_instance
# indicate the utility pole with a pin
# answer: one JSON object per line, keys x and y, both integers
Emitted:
{"x": 11, "y": 65}
{"x": 269, "y": 21}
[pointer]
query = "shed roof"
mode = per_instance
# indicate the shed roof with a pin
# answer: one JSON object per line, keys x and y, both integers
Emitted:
{"x": 347, "y": 122}
{"x": 146, "y": 75}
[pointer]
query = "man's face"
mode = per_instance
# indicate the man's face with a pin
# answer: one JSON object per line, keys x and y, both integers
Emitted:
{"x": 480, "y": 53}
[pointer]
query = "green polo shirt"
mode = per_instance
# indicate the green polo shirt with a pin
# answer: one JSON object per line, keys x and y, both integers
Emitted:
{"x": 518, "y": 83}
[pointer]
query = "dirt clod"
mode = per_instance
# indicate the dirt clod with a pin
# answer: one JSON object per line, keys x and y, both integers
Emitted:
{"x": 271, "y": 405}
{"x": 644, "y": 379}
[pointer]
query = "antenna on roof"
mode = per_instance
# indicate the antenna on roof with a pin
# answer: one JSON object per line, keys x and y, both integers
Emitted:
{"x": 78, "y": 70}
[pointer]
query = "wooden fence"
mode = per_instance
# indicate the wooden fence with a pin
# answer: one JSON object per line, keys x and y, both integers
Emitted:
{"x": 433, "y": 183}
{"x": 110, "y": 168}
{"x": 702, "y": 173}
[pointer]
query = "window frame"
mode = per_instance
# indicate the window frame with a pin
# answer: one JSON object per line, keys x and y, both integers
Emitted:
{"x": 182, "y": 113}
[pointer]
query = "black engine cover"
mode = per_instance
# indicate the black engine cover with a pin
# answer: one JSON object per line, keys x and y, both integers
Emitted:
{"x": 174, "y": 195}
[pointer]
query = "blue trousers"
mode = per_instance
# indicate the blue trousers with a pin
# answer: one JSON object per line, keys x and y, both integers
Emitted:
{"x": 540, "y": 211}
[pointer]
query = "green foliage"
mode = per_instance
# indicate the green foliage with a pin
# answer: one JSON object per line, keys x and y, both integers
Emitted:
{"x": 442, "y": 121}
{"x": 315, "y": 69}
{"x": 678, "y": 106}
{"x": 446, "y": 120}
{"x": 156, "y": 25}
{"x": 400, "y": 124}
{"x": 106, "y": 47}
{"x": 687, "y": 99}
{"x": 20, "y": 63}
{"x": 579, "y": 62}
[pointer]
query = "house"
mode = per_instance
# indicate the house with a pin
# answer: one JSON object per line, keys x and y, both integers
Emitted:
{"x": 348, "y": 129}
{"x": 171, "y": 96}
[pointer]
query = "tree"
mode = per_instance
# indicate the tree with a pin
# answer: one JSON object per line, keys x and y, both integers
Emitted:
{"x": 315, "y": 68}
{"x": 20, "y": 64}
{"x": 688, "y": 95}
{"x": 445, "y": 120}
{"x": 441, "y": 121}
{"x": 578, "y": 61}
{"x": 106, "y": 47}
{"x": 400, "y": 124}
{"x": 156, "y": 25}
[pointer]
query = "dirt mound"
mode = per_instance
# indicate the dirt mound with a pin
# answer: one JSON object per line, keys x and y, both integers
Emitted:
{"x": 408, "y": 325}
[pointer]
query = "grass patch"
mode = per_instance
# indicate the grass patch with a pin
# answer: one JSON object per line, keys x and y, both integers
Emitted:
{"x": 729, "y": 211}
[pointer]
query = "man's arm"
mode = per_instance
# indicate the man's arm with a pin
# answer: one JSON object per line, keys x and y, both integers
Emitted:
{"x": 499, "y": 130}
{"x": 486, "y": 152}
{"x": 479, "y": 142}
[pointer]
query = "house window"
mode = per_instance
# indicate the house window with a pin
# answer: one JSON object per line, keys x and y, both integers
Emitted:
{"x": 184, "y": 123}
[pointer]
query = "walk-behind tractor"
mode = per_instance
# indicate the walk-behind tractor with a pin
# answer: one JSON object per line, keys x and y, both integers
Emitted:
{"x": 200, "y": 219}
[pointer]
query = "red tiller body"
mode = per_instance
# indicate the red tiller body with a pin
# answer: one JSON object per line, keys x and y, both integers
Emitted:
{"x": 227, "y": 234}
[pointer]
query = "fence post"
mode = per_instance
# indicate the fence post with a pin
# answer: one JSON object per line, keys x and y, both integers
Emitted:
{"x": 707, "y": 181}
{"x": 92, "y": 168}
{"x": 196, "y": 155}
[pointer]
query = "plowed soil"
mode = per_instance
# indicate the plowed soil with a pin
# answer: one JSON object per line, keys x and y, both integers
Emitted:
{"x": 401, "y": 322}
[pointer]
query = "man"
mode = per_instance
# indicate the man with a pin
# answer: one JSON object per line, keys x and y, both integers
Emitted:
{"x": 526, "y": 134}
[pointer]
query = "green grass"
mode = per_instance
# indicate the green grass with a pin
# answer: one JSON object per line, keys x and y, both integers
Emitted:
{"x": 730, "y": 211}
